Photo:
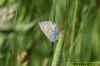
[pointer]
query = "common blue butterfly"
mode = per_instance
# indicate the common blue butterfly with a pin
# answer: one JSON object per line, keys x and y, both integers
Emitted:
{"x": 49, "y": 28}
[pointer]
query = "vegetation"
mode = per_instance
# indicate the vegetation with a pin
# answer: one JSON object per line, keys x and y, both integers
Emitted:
{"x": 22, "y": 43}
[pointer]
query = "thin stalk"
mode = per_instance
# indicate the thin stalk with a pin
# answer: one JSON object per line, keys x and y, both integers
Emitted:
{"x": 73, "y": 30}
{"x": 16, "y": 14}
{"x": 58, "y": 50}
{"x": 51, "y": 53}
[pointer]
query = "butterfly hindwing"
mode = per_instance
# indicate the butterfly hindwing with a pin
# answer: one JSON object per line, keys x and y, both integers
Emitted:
{"x": 49, "y": 29}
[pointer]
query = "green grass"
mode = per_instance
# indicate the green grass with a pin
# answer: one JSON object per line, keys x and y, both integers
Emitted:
{"x": 22, "y": 43}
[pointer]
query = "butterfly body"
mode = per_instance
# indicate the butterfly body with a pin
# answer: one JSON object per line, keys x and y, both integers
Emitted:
{"x": 49, "y": 29}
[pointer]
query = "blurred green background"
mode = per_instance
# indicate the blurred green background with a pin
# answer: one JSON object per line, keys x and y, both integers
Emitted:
{"x": 22, "y": 43}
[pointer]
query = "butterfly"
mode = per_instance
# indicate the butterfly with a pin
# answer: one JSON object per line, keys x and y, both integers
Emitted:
{"x": 49, "y": 28}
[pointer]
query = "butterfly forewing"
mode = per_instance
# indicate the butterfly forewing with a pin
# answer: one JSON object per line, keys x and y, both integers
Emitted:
{"x": 49, "y": 29}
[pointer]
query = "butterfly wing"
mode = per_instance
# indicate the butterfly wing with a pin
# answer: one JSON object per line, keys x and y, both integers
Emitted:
{"x": 49, "y": 29}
